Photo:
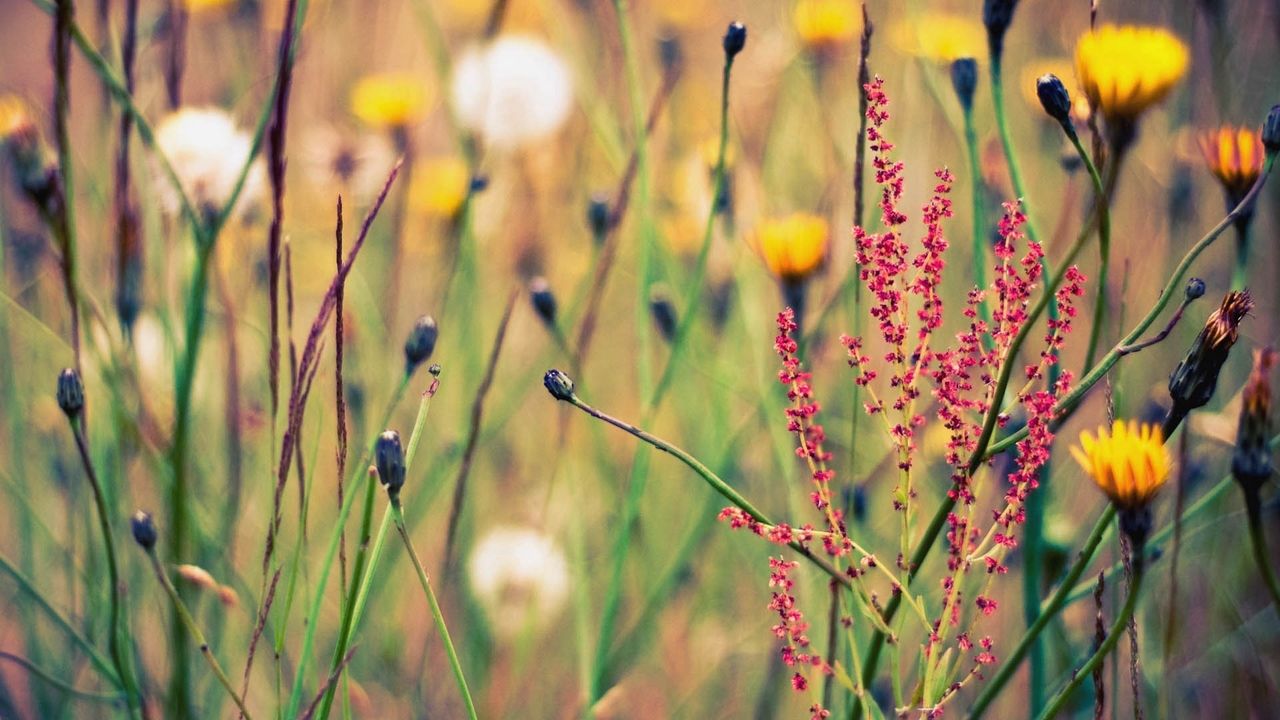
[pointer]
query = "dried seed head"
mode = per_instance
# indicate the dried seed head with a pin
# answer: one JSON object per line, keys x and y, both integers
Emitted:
{"x": 70, "y": 392}
{"x": 964, "y": 78}
{"x": 1194, "y": 380}
{"x": 1054, "y": 98}
{"x": 544, "y": 301}
{"x": 389, "y": 458}
{"x": 421, "y": 342}
{"x": 1251, "y": 460}
{"x": 1271, "y": 131}
{"x": 735, "y": 38}
{"x": 663, "y": 310}
{"x": 144, "y": 529}
{"x": 558, "y": 384}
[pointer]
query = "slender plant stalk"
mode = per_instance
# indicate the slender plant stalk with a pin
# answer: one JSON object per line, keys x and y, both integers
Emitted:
{"x": 1117, "y": 630}
{"x": 1240, "y": 273}
{"x": 64, "y": 222}
{"x": 454, "y": 664}
{"x": 53, "y": 680}
{"x": 1259, "y": 542}
{"x": 190, "y": 625}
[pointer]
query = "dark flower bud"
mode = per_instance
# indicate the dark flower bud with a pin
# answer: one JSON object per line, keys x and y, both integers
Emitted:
{"x": 558, "y": 384}
{"x": 964, "y": 78}
{"x": 144, "y": 529}
{"x": 670, "y": 53}
{"x": 1193, "y": 382}
{"x": 663, "y": 310}
{"x": 598, "y": 217}
{"x": 1251, "y": 460}
{"x": 70, "y": 392}
{"x": 1054, "y": 98}
{"x": 421, "y": 343}
{"x": 544, "y": 301}
{"x": 1271, "y": 131}
{"x": 389, "y": 459}
{"x": 478, "y": 184}
{"x": 735, "y": 38}
{"x": 1195, "y": 289}
{"x": 997, "y": 15}
{"x": 435, "y": 369}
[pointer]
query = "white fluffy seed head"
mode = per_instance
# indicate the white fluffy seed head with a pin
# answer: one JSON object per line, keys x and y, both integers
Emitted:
{"x": 207, "y": 152}
{"x": 520, "y": 577}
{"x": 513, "y": 92}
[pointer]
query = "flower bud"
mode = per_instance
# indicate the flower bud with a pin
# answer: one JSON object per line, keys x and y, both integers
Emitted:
{"x": 964, "y": 78}
{"x": 544, "y": 301}
{"x": 1193, "y": 382}
{"x": 421, "y": 343}
{"x": 1251, "y": 460}
{"x": 1054, "y": 98}
{"x": 670, "y": 53}
{"x": 389, "y": 459}
{"x": 997, "y": 15}
{"x": 1271, "y": 131}
{"x": 70, "y": 392}
{"x": 663, "y": 311}
{"x": 144, "y": 529}
{"x": 735, "y": 38}
{"x": 558, "y": 384}
{"x": 1195, "y": 289}
{"x": 598, "y": 217}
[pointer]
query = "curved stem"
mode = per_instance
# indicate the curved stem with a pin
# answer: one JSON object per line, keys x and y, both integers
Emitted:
{"x": 454, "y": 664}
{"x": 1114, "y": 634}
{"x": 1102, "y": 198}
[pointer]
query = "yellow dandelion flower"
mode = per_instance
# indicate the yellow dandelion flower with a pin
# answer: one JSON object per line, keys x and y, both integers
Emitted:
{"x": 439, "y": 186}
{"x": 1126, "y": 69}
{"x": 390, "y": 100}
{"x": 14, "y": 116}
{"x": 793, "y": 247}
{"x": 823, "y": 24}
{"x": 940, "y": 36}
{"x": 1234, "y": 156}
{"x": 1130, "y": 464}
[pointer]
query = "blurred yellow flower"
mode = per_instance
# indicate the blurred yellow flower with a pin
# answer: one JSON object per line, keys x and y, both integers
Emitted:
{"x": 391, "y": 100}
{"x": 14, "y": 116}
{"x": 824, "y": 24}
{"x": 1234, "y": 156}
{"x": 1130, "y": 464}
{"x": 681, "y": 14}
{"x": 793, "y": 247}
{"x": 439, "y": 186}
{"x": 1126, "y": 69}
{"x": 940, "y": 36}
{"x": 199, "y": 6}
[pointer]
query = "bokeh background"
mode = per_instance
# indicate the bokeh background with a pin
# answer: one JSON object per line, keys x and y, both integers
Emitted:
{"x": 692, "y": 634}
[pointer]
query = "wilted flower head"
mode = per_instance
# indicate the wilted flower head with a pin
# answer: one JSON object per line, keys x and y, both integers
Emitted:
{"x": 1251, "y": 461}
{"x": 1234, "y": 155}
{"x": 520, "y": 577}
{"x": 207, "y": 152}
{"x": 1126, "y": 69}
{"x": 1130, "y": 464}
{"x": 939, "y": 36}
{"x": 824, "y": 24}
{"x": 1194, "y": 380}
{"x": 512, "y": 92}
{"x": 439, "y": 186}
{"x": 391, "y": 100}
{"x": 793, "y": 247}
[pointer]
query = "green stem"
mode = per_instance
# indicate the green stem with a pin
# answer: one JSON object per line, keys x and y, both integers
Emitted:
{"x": 190, "y": 624}
{"x": 1240, "y": 275}
{"x": 1114, "y": 634}
{"x": 49, "y": 677}
{"x": 1102, "y": 199}
{"x": 454, "y": 664}
{"x": 119, "y": 655}
{"x": 1253, "y": 506}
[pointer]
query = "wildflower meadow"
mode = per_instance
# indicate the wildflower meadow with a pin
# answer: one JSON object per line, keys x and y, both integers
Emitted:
{"x": 631, "y": 359}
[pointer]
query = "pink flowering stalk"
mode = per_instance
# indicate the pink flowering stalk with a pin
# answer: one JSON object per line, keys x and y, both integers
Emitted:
{"x": 899, "y": 366}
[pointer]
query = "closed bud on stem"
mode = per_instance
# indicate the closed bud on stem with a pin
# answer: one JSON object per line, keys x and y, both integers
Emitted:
{"x": 1055, "y": 99}
{"x": 70, "y": 392}
{"x": 735, "y": 38}
{"x": 964, "y": 78}
{"x": 544, "y": 301}
{"x": 670, "y": 53}
{"x": 997, "y": 16}
{"x": 663, "y": 310}
{"x": 144, "y": 529}
{"x": 1195, "y": 289}
{"x": 1195, "y": 379}
{"x": 389, "y": 459}
{"x": 421, "y": 343}
{"x": 1271, "y": 131}
{"x": 558, "y": 384}
{"x": 1251, "y": 460}
{"x": 598, "y": 217}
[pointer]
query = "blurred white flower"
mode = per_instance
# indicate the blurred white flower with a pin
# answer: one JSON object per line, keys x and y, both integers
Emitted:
{"x": 520, "y": 577}
{"x": 207, "y": 152}
{"x": 335, "y": 159}
{"x": 512, "y": 92}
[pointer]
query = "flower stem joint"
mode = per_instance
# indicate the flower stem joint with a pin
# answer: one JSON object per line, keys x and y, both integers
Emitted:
{"x": 559, "y": 385}
{"x": 389, "y": 459}
{"x": 70, "y": 393}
